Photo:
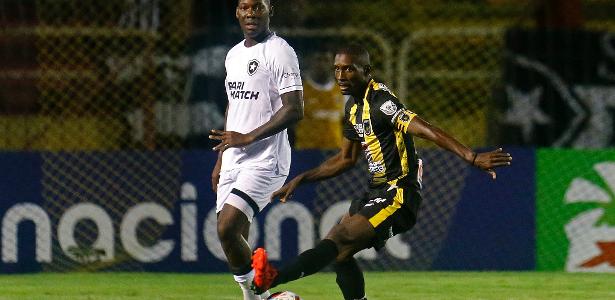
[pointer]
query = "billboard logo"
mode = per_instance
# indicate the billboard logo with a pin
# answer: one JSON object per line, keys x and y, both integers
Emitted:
{"x": 592, "y": 233}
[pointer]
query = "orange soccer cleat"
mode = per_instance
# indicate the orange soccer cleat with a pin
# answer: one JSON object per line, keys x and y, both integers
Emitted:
{"x": 264, "y": 272}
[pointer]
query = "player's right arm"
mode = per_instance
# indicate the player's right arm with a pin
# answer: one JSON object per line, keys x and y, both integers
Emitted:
{"x": 215, "y": 173}
{"x": 335, "y": 165}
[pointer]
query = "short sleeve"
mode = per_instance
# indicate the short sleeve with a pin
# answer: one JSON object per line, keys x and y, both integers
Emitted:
{"x": 396, "y": 114}
{"x": 402, "y": 120}
{"x": 286, "y": 70}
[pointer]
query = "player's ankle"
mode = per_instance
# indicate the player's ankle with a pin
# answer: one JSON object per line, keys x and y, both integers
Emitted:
{"x": 244, "y": 280}
{"x": 265, "y": 295}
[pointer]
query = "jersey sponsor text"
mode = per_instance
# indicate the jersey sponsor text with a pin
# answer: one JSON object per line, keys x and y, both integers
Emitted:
{"x": 237, "y": 93}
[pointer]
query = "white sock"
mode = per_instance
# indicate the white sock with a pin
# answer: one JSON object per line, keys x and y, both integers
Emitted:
{"x": 265, "y": 295}
{"x": 245, "y": 282}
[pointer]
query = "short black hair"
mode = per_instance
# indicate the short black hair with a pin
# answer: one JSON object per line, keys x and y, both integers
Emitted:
{"x": 359, "y": 53}
{"x": 266, "y": 1}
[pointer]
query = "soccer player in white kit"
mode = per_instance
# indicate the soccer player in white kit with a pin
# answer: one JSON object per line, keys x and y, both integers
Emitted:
{"x": 264, "y": 90}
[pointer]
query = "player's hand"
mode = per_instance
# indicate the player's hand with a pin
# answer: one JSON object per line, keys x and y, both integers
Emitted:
{"x": 488, "y": 161}
{"x": 229, "y": 139}
{"x": 286, "y": 191}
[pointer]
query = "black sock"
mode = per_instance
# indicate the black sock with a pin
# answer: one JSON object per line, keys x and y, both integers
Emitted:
{"x": 308, "y": 262}
{"x": 350, "y": 279}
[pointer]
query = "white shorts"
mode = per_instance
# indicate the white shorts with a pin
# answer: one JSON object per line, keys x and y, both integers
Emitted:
{"x": 249, "y": 190}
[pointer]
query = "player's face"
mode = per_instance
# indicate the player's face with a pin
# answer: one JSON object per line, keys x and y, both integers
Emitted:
{"x": 253, "y": 16}
{"x": 349, "y": 76}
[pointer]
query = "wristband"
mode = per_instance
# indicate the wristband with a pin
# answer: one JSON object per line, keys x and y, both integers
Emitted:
{"x": 474, "y": 159}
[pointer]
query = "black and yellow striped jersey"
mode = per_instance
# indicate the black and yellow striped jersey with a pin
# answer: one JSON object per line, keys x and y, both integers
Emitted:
{"x": 380, "y": 122}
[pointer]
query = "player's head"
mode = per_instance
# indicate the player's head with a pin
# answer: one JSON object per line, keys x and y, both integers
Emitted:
{"x": 253, "y": 16}
{"x": 318, "y": 66}
{"x": 352, "y": 69}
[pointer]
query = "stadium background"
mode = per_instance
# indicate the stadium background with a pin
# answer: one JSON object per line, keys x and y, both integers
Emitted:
{"x": 105, "y": 106}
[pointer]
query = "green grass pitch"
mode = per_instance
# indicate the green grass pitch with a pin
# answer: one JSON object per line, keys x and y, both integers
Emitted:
{"x": 380, "y": 286}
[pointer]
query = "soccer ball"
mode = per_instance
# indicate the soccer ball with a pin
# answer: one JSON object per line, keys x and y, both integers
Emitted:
{"x": 286, "y": 295}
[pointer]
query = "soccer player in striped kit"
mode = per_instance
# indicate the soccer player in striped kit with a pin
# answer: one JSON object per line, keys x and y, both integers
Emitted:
{"x": 377, "y": 124}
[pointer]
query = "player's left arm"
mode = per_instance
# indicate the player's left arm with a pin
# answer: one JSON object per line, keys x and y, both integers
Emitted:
{"x": 290, "y": 113}
{"x": 486, "y": 161}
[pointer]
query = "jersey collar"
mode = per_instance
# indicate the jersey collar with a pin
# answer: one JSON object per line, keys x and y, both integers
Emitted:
{"x": 369, "y": 87}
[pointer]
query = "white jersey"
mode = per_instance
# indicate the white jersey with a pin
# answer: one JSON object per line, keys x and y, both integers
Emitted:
{"x": 255, "y": 78}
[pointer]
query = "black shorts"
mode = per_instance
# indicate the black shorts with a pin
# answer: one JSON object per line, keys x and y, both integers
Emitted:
{"x": 390, "y": 209}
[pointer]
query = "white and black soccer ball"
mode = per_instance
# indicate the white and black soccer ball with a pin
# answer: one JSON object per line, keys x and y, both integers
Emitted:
{"x": 286, "y": 295}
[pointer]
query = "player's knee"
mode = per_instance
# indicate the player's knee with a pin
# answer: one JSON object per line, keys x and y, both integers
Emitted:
{"x": 347, "y": 251}
{"x": 341, "y": 260}
{"x": 227, "y": 232}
